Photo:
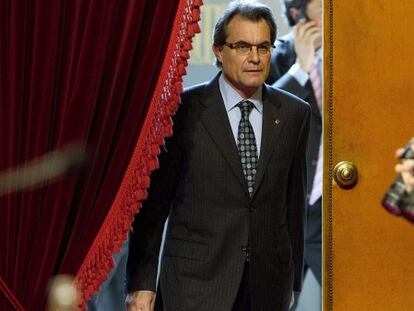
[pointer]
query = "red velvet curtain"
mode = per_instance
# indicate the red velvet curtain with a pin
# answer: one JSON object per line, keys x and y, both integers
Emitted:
{"x": 90, "y": 71}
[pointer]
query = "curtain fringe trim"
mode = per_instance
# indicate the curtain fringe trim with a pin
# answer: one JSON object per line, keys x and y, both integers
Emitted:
{"x": 157, "y": 125}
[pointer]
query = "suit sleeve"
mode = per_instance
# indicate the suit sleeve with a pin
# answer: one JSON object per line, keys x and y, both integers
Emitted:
{"x": 297, "y": 200}
{"x": 145, "y": 238}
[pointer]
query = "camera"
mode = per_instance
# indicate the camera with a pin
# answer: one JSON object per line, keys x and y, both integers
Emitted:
{"x": 396, "y": 200}
{"x": 407, "y": 206}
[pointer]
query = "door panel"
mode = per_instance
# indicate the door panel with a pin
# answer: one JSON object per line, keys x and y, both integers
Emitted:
{"x": 369, "y": 112}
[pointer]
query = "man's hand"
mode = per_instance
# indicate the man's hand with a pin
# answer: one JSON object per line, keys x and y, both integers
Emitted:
{"x": 406, "y": 169}
{"x": 140, "y": 301}
{"x": 308, "y": 38}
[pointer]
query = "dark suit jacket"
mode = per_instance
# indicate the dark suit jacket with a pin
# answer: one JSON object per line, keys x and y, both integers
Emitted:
{"x": 283, "y": 58}
{"x": 201, "y": 187}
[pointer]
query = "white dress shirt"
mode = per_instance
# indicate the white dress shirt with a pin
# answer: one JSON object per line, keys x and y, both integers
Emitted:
{"x": 231, "y": 98}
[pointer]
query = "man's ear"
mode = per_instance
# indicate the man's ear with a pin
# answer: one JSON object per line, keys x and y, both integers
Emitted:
{"x": 217, "y": 50}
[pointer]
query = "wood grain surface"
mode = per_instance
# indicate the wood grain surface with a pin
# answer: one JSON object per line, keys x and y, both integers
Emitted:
{"x": 369, "y": 112}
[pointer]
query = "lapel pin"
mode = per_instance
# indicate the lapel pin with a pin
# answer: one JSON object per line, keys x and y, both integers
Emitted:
{"x": 277, "y": 121}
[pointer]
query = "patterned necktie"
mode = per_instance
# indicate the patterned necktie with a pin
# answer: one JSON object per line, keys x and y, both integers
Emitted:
{"x": 246, "y": 143}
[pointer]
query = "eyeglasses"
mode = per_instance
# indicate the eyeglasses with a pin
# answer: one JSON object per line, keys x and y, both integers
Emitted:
{"x": 244, "y": 48}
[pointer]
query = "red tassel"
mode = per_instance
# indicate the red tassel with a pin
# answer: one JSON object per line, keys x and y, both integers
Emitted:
{"x": 159, "y": 140}
{"x": 155, "y": 150}
{"x": 181, "y": 69}
{"x": 184, "y": 61}
{"x": 145, "y": 183}
{"x": 168, "y": 131}
{"x": 142, "y": 195}
{"x": 153, "y": 164}
{"x": 178, "y": 79}
{"x": 187, "y": 46}
{"x": 178, "y": 87}
{"x": 190, "y": 30}
{"x": 196, "y": 28}
{"x": 184, "y": 54}
{"x": 195, "y": 13}
{"x": 174, "y": 98}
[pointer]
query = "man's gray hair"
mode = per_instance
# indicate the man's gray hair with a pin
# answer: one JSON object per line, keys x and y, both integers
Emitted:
{"x": 251, "y": 10}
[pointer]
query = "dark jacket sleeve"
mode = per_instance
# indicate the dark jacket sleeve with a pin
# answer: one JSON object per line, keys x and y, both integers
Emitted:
{"x": 297, "y": 200}
{"x": 145, "y": 238}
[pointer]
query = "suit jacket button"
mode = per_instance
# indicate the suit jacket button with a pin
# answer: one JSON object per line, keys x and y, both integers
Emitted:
{"x": 244, "y": 248}
{"x": 314, "y": 162}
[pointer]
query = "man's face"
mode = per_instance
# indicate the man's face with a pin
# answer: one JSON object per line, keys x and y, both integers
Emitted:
{"x": 246, "y": 73}
{"x": 314, "y": 12}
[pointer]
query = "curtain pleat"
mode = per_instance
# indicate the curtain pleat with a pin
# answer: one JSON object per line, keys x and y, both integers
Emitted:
{"x": 101, "y": 73}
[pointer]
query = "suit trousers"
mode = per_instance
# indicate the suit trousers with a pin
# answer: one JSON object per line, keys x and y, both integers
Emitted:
{"x": 242, "y": 302}
{"x": 313, "y": 244}
{"x": 313, "y": 241}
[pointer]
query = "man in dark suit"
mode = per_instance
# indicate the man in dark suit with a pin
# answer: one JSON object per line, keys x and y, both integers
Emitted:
{"x": 232, "y": 181}
{"x": 296, "y": 67}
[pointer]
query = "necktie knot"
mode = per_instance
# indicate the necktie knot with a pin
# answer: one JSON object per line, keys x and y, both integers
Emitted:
{"x": 245, "y": 108}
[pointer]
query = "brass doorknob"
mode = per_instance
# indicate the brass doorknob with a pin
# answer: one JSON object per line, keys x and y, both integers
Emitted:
{"x": 345, "y": 174}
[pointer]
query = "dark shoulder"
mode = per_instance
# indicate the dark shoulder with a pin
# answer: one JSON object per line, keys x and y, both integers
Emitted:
{"x": 191, "y": 104}
{"x": 194, "y": 91}
{"x": 290, "y": 99}
{"x": 283, "y": 57}
{"x": 284, "y": 47}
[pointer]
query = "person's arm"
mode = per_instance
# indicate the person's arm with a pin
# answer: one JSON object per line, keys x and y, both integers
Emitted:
{"x": 294, "y": 79}
{"x": 296, "y": 200}
{"x": 145, "y": 238}
{"x": 306, "y": 34}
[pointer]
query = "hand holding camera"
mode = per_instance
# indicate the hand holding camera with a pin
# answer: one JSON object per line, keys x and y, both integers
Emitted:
{"x": 406, "y": 167}
{"x": 399, "y": 199}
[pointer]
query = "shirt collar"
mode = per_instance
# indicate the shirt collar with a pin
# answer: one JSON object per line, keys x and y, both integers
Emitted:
{"x": 231, "y": 98}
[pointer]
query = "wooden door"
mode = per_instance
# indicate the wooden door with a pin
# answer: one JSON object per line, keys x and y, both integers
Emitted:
{"x": 369, "y": 112}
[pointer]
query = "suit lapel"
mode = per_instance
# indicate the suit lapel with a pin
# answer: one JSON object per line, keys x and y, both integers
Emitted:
{"x": 217, "y": 124}
{"x": 272, "y": 124}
